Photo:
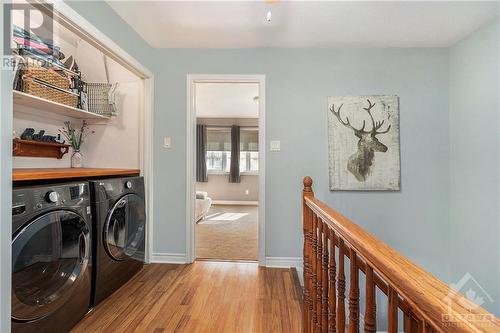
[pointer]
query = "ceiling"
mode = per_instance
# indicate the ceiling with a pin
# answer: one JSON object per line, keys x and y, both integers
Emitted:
{"x": 304, "y": 24}
{"x": 227, "y": 100}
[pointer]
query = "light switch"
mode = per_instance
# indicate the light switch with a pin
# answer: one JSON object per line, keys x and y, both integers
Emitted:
{"x": 167, "y": 142}
{"x": 275, "y": 145}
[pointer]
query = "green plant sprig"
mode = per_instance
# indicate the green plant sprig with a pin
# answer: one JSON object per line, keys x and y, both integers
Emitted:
{"x": 75, "y": 137}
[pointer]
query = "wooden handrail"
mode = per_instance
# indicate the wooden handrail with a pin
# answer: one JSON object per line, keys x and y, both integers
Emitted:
{"x": 428, "y": 304}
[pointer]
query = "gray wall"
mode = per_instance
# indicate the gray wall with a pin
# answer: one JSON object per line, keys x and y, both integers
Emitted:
{"x": 474, "y": 147}
{"x": 298, "y": 82}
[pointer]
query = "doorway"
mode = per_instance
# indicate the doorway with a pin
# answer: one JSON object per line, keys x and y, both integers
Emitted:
{"x": 226, "y": 167}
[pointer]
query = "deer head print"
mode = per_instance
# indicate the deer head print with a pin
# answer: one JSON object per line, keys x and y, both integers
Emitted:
{"x": 360, "y": 163}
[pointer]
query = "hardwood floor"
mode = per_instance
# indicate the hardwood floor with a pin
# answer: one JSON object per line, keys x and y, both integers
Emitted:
{"x": 201, "y": 297}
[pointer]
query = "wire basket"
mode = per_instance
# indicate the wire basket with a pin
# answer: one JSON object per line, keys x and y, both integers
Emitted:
{"x": 101, "y": 98}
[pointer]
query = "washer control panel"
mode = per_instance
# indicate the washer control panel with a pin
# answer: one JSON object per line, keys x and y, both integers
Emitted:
{"x": 42, "y": 197}
{"x": 51, "y": 196}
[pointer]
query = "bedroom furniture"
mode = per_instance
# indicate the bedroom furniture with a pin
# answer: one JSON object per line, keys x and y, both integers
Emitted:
{"x": 203, "y": 204}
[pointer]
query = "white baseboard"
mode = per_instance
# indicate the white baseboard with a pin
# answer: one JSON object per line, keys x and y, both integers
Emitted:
{"x": 284, "y": 262}
{"x": 168, "y": 258}
{"x": 234, "y": 202}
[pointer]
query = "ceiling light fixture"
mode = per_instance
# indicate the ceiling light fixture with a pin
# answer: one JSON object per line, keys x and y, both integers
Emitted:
{"x": 269, "y": 16}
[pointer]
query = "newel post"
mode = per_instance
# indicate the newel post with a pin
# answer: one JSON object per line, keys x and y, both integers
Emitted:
{"x": 307, "y": 228}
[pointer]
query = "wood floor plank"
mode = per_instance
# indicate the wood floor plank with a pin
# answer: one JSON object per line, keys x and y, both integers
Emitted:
{"x": 201, "y": 297}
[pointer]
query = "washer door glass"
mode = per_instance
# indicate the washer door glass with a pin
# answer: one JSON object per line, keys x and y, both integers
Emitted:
{"x": 125, "y": 227}
{"x": 49, "y": 256}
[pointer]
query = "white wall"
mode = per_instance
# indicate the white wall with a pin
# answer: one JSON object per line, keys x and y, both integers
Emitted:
{"x": 218, "y": 187}
{"x": 474, "y": 167}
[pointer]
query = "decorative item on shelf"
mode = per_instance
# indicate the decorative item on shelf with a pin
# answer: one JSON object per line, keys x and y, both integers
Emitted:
{"x": 30, "y": 148}
{"x": 76, "y": 137}
{"x": 76, "y": 159}
{"x": 32, "y": 144}
{"x": 29, "y": 134}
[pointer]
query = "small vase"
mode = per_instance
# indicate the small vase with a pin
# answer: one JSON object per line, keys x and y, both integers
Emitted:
{"x": 76, "y": 159}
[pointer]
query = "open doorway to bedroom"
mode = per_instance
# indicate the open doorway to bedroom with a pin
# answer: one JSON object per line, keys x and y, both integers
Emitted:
{"x": 227, "y": 171}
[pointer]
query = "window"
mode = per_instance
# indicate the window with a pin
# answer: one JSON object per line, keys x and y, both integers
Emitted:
{"x": 219, "y": 150}
{"x": 249, "y": 150}
{"x": 249, "y": 161}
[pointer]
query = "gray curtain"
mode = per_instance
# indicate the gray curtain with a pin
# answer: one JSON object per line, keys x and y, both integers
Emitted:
{"x": 201, "y": 153}
{"x": 234, "y": 170}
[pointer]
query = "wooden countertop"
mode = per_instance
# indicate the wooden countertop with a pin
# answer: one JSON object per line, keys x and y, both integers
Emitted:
{"x": 26, "y": 174}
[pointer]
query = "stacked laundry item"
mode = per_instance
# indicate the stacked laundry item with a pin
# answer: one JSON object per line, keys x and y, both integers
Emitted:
{"x": 31, "y": 43}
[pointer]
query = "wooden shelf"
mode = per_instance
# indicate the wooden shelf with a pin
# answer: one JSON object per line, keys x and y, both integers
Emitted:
{"x": 33, "y": 104}
{"x": 32, "y": 148}
{"x": 34, "y": 174}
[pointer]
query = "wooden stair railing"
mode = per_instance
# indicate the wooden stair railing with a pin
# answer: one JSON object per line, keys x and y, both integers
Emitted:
{"x": 428, "y": 304}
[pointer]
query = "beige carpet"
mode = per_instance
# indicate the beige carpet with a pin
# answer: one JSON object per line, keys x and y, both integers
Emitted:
{"x": 228, "y": 233}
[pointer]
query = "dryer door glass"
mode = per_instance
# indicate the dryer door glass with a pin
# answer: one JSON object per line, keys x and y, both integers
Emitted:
{"x": 49, "y": 256}
{"x": 125, "y": 228}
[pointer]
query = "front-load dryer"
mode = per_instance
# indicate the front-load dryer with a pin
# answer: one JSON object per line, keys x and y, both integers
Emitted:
{"x": 119, "y": 232}
{"x": 51, "y": 257}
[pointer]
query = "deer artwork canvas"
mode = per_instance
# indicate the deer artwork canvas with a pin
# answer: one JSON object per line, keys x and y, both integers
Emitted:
{"x": 364, "y": 143}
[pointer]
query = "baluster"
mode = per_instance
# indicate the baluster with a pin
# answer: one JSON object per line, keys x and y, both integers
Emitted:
{"x": 314, "y": 284}
{"x": 354, "y": 294}
{"x": 393, "y": 310}
{"x": 410, "y": 323}
{"x": 319, "y": 264}
{"x": 341, "y": 290}
{"x": 426, "y": 328}
{"x": 332, "y": 297}
{"x": 371, "y": 307}
{"x": 324, "y": 305}
{"x": 307, "y": 269}
{"x": 307, "y": 225}
{"x": 421, "y": 326}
